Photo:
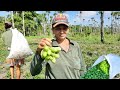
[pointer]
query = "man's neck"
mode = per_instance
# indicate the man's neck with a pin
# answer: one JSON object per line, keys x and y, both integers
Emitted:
{"x": 61, "y": 41}
{"x": 65, "y": 44}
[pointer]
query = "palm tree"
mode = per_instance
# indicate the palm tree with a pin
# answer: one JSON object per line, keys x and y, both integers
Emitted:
{"x": 75, "y": 27}
{"x": 102, "y": 28}
{"x": 23, "y": 22}
{"x": 12, "y": 15}
{"x": 116, "y": 17}
{"x": 92, "y": 19}
{"x": 44, "y": 23}
{"x": 108, "y": 20}
{"x": 80, "y": 15}
{"x": 49, "y": 23}
{"x": 112, "y": 15}
{"x": 84, "y": 29}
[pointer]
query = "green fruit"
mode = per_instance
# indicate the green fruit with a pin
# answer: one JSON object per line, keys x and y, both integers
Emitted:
{"x": 104, "y": 66}
{"x": 46, "y": 48}
{"x": 47, "y": 58}
{"x": 51, "y": 57}
{"x": 52, "y": 49}
{"x": 95, "y": 73}
{"x": 55, "y": 49}
{"x": 43, "y": 54}
{"x": 58, "y": 49}
{"x": 53, "y": 60}
{"x": 56, "y": 55}
{"x": 49, "y": 52}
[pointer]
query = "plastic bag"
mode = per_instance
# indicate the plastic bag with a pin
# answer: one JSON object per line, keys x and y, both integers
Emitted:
{"x": 114, "y": 62}
{"x": 19, "y": 47}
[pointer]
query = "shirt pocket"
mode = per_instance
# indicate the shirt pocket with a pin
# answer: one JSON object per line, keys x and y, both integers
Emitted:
{"x": 77, "y": 64}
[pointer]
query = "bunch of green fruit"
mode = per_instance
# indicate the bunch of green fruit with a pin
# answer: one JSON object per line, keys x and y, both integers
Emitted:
{"x": 99, "y": 71}
{"x": 104, "y": 66}
{"x": 50, "y": 53}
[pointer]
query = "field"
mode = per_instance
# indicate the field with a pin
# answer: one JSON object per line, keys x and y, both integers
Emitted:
{"x": 91, "y": 48}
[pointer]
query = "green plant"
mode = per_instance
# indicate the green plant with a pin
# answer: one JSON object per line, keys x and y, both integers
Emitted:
{"x": 8, "y": 75}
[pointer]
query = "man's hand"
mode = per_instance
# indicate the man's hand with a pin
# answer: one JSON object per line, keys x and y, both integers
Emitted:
{"x": 43, "y": 42}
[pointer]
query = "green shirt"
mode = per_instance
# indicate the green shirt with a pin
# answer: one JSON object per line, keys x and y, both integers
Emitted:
{"x": 7, "y": 37}
{"x": 69, "y": 65}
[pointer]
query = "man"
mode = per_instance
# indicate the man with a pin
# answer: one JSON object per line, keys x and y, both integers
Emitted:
{"x": 7, "y": 38}
{"x": 70, "y": 64}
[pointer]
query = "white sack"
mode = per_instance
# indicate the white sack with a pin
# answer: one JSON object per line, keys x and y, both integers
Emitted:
{"x": 19, "y": 46}
{"x": 114, "y": 62}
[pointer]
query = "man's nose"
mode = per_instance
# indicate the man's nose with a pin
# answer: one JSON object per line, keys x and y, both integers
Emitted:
{"x": 61, "y": 30}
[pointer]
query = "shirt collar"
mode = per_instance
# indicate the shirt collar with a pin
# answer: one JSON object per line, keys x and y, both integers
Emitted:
{"x": 55, "y": 43}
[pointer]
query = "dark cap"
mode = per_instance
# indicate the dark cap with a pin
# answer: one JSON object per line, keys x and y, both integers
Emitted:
{"x": 9, "y": 23}
{"x": 60, "y": 19}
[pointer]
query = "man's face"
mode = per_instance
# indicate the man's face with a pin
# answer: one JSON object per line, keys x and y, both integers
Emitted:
{"x": 60, "y": 31}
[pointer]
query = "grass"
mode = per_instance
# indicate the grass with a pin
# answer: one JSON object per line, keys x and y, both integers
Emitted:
{"x": 91, "y": 48}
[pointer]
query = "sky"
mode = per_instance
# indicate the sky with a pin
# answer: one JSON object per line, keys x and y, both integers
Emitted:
{"x": 74, "y": 16}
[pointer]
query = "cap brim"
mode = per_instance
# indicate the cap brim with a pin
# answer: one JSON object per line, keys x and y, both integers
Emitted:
{"x": 60, "y": 23}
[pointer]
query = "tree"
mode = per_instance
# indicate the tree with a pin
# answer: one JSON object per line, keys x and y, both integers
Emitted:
{"x": 49, "y": 23}
{"x": 12, "y": 17}
{"x": 23, "y": 22}
{"x": 115, "y": 15}
{"x": 102, "y": 27}
{"x": 80, "y": 15}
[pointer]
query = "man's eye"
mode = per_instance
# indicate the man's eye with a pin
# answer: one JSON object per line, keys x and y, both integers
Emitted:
{"x": 60, "y": 28}
{"x": 57, "y": 29}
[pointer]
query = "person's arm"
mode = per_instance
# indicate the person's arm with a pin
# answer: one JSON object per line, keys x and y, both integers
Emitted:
{"x": 82, "y": 62}
{"x": 36, "y": 64}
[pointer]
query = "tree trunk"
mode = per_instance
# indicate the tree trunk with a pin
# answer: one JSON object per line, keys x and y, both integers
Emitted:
{"x": 102, "y": 28}
{"x": 23, "y": 23}
{"x": 12, "y": 19}
{"x": 81, "y": 20}
{"x": 111, "y": 24}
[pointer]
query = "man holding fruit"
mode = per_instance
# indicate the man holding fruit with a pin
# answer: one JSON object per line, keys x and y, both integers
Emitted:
{"x": 63, "y": 56}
